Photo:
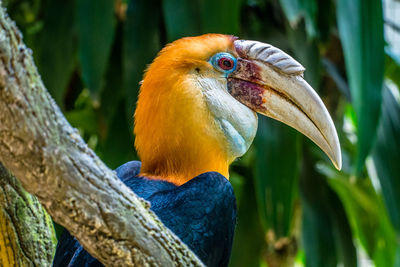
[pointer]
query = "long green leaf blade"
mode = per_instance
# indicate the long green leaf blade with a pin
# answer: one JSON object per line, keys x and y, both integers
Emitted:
{"x": 248, "y": 230}
{"x": 139, "y": 46}
{"x": 386, "y": 156}
{"x": 276, "y": 175}
{"x": 95, "y": 26}
{"x": 392, "y": 66}
{"x": 326, "y": 233}
{"x": 58, "y": 34}
{"x": 296, "y": 9}
{"x": 292, "y": 10}
{"x": 368, "y": 218}
{"x": 360, "y": 24}
{"x": 182, "y": 18}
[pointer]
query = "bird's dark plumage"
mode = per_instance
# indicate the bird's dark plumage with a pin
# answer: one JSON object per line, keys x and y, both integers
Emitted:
{"x": 201, "y": 212}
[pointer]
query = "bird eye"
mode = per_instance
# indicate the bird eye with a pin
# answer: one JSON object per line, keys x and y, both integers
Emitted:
{"x": 224, "y": 62}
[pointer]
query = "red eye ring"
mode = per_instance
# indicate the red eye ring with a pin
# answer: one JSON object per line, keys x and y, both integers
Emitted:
{"x": 226, "y": 63}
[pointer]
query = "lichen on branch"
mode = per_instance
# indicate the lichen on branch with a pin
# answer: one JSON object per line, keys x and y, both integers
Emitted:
{"x": 27, "y": 235}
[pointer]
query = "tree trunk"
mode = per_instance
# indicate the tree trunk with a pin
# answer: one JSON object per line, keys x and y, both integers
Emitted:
{"x": 27, "y": 237}
{"x": 52, "y": 161}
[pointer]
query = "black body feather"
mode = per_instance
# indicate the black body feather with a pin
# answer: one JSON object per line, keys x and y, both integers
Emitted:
{"x": 201, "y": 212}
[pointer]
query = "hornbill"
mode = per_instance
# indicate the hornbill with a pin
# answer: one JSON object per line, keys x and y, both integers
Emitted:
{"x": 196, "y": 113}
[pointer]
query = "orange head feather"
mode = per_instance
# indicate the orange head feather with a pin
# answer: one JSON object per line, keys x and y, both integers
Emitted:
{"x": 176, "y": 136}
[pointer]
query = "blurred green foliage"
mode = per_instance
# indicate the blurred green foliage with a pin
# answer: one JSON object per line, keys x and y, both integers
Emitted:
{"x": 294, "y": 208}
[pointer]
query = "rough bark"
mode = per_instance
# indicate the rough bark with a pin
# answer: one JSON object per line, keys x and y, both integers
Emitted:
{"x": 27, "y": 237}
{"x": 52, "y": 162}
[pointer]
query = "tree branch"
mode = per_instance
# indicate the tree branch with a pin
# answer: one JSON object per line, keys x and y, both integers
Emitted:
{"x": 52, "y": 162}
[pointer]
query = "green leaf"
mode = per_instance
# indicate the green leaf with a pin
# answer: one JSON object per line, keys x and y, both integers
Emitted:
{"x": 310, "y": 10}
{"x": 140, "y": 46}
{"x": 360, "y": 24}
{"x": 27, "y": 16}
{"x": 325, "y": 20}
{"x": 117, "y": 141}
{"x": 222, "y": 16}
{"x": 307, "y": 53}
{"x": 296, "y": 9}
{"x": 182, "y": 18}
{"x": 84, "y": 116}
{"x": 397, "y": 257}
{"x": 392, "y": 66}
{"x": 386, "y": 156}
{"x": 334, "y": 73}
{"x": 276, "y": 175}
{"x": 113, "y": 90}
{"x": 326, "y": 233}
{"x": 55, "y": 48}
{"x": 317, "y": 238}
{"x": 292, "y": 10}
{"x": 95, "y": 27}
{"x": 118, "y": 147}
{"x": 248, "y": 230}
{"x": 368, "y": 218}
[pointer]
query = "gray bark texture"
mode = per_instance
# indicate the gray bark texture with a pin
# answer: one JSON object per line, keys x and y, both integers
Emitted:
{"x": 77, "y": 189}
{"x": 27, "y": 235}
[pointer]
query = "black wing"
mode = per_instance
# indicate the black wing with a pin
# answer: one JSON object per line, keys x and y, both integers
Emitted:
{"x": 202, "y": 213}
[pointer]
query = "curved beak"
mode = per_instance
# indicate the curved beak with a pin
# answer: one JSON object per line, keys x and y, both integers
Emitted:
{"x": 270, "y": 82}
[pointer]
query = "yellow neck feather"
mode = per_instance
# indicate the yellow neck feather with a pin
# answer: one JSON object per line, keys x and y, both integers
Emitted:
{"x": 176, "y": 136}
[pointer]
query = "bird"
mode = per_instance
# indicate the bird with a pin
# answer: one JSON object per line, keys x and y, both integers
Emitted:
{"x": 196, "y": 113}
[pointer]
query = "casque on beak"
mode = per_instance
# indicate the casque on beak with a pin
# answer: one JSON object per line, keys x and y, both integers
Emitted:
{"x": 270, "y": 82}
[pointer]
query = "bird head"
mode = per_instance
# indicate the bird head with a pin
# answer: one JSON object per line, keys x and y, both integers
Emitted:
{"x": 199, "y": 99}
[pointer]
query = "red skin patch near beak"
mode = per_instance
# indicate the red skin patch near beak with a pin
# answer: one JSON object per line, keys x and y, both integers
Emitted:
{"x": 247, "y": 70}
{"x": 244, "y": 84}
{"x": 248, "y": 93}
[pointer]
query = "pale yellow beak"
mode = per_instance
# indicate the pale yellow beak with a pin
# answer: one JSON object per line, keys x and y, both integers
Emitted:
{"x": 271, "y": 82}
